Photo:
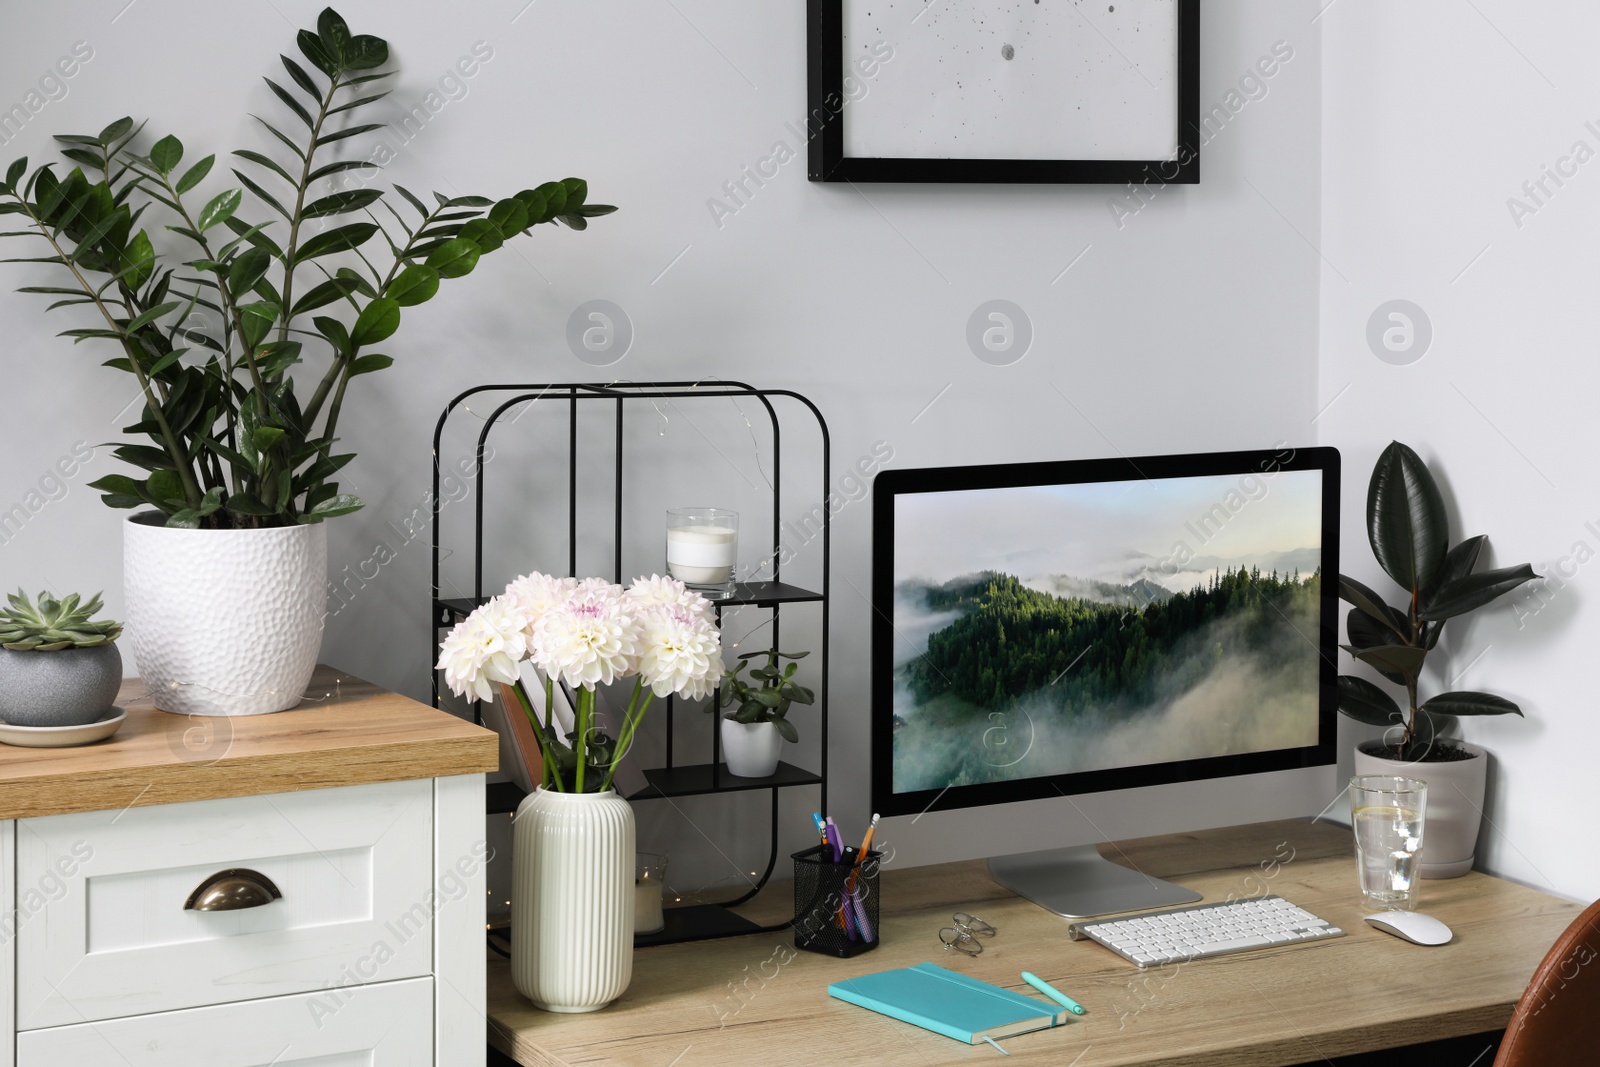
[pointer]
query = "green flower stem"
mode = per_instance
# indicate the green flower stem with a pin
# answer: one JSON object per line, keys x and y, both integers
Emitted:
{"x": 546, "y": 761}
{"x": 630, "y": 723}
{"x": 580, "y": 744}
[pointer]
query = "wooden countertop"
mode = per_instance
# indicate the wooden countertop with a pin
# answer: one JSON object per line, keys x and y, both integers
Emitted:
{"x": 754, "y": 999}
{"x": 345, "y": 732}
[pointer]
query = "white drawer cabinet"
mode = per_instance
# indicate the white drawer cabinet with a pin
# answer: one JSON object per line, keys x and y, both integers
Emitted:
{"x": 314, "y": 896}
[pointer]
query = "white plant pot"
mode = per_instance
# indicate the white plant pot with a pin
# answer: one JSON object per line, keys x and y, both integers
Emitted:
{"x": 572, "y": 899}
{"x": 751, "y": 748}
{"x": 224, "y": 622}
{"x": 1455, "y": 807}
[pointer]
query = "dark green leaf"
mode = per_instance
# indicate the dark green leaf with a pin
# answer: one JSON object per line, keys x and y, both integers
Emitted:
{"x": 321, "y": 295}
{"x": 247, "y": 504}
{"x": 265, "y": 161}
{"x": 1474, "y": 591}
{"x": 352, "y": 105}
{"x": 14, "y": 173}
{"x": 1365, "y": 702}
{"x": 312, "y": 48}
{"x": 338, "y": 203}
{"x": 1406, "y": 520}
{"x": 786, "y": 729}
{"x": 377, "y": 322}
{"x": 334, "y": 33}
{"x": 301, "y": 78}
{"x": 256, "y": 320}
{"x": 294, "y": 105}
{"x": 339, "y": 167}
{"x": 369, "y": 363}
{"x": 281, "y": 136}
{"x": 509, "y": 216}
{"x": 482, "y": 233}
{"x": 1458, "y": 563}
{"x": 1367, "y": 632}
{"x": 247, "y": 269}
{"x": 577, "y": 192}
{"x": 151, "y": 459}
{"x": 454, "y": 258}
{"x": 276, "y": 357}
{"x": 1391, "y": 659}
{"x": 574, "y": 222}
{"x": 147, "y": 317}
{"x": 265, "y": 437}
{"x": 255, "y": 187}
{"x": 166, "y": 154}
{"x": 417, "y": 283}
{"x": 334, "y": 331}
{"x": 590, "y": 211}
{"x": 219, "y": 209}
{"x": 195, "y": 174}
{"x": 1373, "y": 604}
{"x": 164, "y": 485}
{"x": 462, "y": 201}
{"x": 83, "y": 156}
{"x": 1469, "y": 703}
{"x": 116, "y": 483}
{"x": 138, "y": 260}
{"x": 365, "y": 52}
{"x": 116, "y": 130}
{"x": 412, "y": 200}
{"x": 329, "y": 138}
{"x": 341, "y": 239}
{"x": 343, "y": 504}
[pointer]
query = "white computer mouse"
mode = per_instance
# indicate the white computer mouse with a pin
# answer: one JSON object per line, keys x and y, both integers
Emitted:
{"x": 1415, "y": 927}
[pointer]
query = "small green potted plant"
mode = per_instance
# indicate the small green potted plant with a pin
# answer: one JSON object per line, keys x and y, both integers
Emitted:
{"x": 754, "y": 726}
{"x": 59, "y": 666}
{"x": 1410, "y": 536}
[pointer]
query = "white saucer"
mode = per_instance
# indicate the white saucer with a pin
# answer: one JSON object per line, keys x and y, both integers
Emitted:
{"x": 63, "y": 736}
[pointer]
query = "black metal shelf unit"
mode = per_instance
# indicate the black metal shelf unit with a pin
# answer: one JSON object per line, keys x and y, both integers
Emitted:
{"x": 695, "y": 922}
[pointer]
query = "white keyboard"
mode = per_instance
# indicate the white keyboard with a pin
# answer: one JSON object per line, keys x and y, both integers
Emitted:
{"x": 1158, "y": 937}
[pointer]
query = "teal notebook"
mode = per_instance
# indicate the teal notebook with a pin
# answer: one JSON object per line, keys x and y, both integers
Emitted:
{"x": 948, "y": 1003}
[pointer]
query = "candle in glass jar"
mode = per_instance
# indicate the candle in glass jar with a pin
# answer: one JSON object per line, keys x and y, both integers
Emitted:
{"x": 647, "y": 914}
{"x": 701, "y": 554}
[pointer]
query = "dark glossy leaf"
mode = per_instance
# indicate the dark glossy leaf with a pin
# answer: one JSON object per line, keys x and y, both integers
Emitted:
{"x": 462, "y": 201}
{"x": 312, "y": 48}
{"x": 786, "y": 729}
{"x": 266, "y": 161}
{"x": 1373, "y": 604}
{"x": 266, "y": 197}
{"x": 219, "y": 209}
{"x": 265, "y": 437}
{"x": 301, "y": 78}
{"x": 282, "y": 137}
{"x": 509, "y": 216}
{"x": 370, "y": 363}
{"x": 454, "y": 258}
{"x": 195, "y": 174}
{"x": 254, "y": 236}
{"x": 116, "y": 483}
{"x": 334, "y": 32}
{"x": 590, "y": 211}
{"x": 14, "y": 173}
{"x": 1366, "y": 632}
{"x": 147, "y": 317}
{"x": 145, "y": 456}
{"x": 575, "y": 222}
{"x": 329, "y": 138}
{"x": 577, "y": 192}
{"x": 256, "y": 320}
{"x": 338, "y": 203}
{"x": 116, "y": 131}
{"x": 325, "y": 468}
{"x": 411, "y": 199}
{"x": 247, "y": 504}
{"x": 294, "y": 105}
{"x": 343, "y": 504}
{"x": 164, "y": 485}
{"x": 334, "y": 331}
{"x": 1406, "y": 520}
{"x": 83, "y": 156}
{"x": 1365, "y": 702}
{"x": 341, "y": 239}
{"x": 166, "y": 154}
{"x": 321, "y": 295}
{"x": 377, "y": 322}
{"x": 247, "y": 269}
{"x": 417, "y": 283}
{"x": 276, "y": 357}
{"x": 339, "y": 167}
{"x": 1475, "y": 590}
{"x": 1470, "y": 703}
{"x": 352, "y": 105}
{"x": 480, "y": 232}
{"x": 138, "y": 260}
{"x": 1458, "y": 563}
{"x": 1404, "y": 660}
{"x": 360, "y": 284}
{"x": 365, "y": 52}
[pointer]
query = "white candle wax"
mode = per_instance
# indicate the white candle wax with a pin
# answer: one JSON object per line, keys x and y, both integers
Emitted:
{"x": 701, "y": 555}
{"x": 647, "y": 917}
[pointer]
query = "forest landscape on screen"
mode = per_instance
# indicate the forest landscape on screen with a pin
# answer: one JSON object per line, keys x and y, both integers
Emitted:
{"x": 1044, "y": 630}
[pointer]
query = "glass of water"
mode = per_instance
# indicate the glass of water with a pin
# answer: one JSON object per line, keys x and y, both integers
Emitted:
{"x": 1387, "y": 813}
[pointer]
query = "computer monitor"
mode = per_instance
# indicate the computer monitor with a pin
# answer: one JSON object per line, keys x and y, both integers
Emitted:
{"x": 1098, "y": 627}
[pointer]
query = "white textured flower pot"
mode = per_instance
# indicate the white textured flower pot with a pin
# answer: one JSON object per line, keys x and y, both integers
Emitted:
{"x": 751, "y": 748}
{"x": 572, "y": 899}
{"x": 1455, "y": 807}
{"x": 224, "y": 622}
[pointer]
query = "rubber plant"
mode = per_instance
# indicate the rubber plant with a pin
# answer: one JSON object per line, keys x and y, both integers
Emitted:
{"x": 1410, "y": 536}
{"x": 218, "y": 332}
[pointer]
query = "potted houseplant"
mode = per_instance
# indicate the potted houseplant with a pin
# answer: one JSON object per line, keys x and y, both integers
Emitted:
{"x": 216, "y": 319}
{"x": 59, "y": 666}
{"x": 573, "y": 837}
{"x": 1410, "y": 537}
{"x": 754, "y": 723}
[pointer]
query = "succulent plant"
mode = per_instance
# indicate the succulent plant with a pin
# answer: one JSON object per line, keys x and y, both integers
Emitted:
{"x": 54, "y": 624}
{"x": 769, "y": 701}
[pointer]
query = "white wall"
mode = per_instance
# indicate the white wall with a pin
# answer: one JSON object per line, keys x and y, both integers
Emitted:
{"x": 1436, "y": 113}
{"x": 1191, "y": 326}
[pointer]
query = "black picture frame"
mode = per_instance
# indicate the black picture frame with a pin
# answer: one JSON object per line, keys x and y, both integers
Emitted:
{"x": 827, "y": 114}
{"x": 889, "y": 485}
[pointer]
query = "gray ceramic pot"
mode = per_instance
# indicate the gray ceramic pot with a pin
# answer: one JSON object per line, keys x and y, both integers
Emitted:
{"x": 68, "y": 687}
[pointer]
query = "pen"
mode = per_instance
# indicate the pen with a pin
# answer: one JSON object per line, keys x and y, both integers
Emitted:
{"x": 822, "y": 828}
{"x": 850, "y": 886}
{"x": 1052, "y": 992}
{"x": 832, "y": 833}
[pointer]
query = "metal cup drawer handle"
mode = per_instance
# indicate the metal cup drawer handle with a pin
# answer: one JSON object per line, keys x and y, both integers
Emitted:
{"x": 233, "y": 890}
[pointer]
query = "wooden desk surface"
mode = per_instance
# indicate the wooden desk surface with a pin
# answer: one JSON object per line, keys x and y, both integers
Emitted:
{"x": 345, "y": 732}
{"x": 752, "y": 1000}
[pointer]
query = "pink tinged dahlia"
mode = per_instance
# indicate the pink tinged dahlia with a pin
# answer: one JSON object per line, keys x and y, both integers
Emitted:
{"x": 534, "y": 594}
{"x": 484, "y": 649}
{"x": 681, "y": 652}
{"x": 659, "y": 590}
{"x": 588, "y": 639}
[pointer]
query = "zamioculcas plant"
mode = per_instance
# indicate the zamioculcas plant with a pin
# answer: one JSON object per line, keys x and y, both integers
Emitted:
{"x": 1410, "y": 536}
{"x": 216, "y": 336}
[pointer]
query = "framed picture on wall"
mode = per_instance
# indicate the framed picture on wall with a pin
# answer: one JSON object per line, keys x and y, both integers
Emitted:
{"x": 1045, "y": 91}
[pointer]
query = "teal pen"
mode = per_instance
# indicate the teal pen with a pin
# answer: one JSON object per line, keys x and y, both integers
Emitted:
{"x": 1052, "y": 992}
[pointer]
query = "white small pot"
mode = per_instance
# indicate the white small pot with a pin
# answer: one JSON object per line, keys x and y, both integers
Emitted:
{"x": 1455, "y": 807}
{"x": 224, "y": 622}
{"x": 572, "y": 899}
{"x": 751, "y": 748}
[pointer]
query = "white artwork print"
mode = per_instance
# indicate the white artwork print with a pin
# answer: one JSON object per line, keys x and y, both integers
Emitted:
{"x": 1015, "y": 79}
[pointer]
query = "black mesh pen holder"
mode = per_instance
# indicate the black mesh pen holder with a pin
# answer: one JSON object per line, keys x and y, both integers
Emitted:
{"x": 835, "y": 904}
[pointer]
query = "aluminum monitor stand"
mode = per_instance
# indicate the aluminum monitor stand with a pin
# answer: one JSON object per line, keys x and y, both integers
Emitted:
{"x": 1078, "y": 883}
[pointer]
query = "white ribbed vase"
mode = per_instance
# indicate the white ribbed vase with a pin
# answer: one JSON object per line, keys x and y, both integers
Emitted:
{"x": 572, "y": 899}
{"x": 224, "y": 622}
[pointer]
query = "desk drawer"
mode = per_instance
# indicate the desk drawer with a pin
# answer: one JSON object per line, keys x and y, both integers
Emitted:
{"x": 104, "y": 932}
{"x": 388, "y": 1025}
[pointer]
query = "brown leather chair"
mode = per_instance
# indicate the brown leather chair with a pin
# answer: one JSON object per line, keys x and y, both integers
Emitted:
{"x": 1557, "y": 1021}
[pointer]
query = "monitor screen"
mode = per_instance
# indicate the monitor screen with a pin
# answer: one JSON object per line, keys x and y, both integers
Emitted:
{"x": 1082, "y": 626}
